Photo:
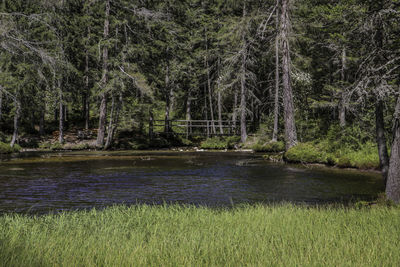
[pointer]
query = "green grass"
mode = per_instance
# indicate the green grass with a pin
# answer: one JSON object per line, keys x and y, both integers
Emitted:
{"x": 283, "y": 235}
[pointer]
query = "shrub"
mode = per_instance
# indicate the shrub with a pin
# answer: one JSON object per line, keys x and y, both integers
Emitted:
{"x": 45, "y": 145}
{"x": 365, "y": 158}
{"x": 213, "y": 143}
{"x": 220, "y": 142}
{"x": 306, "y": 153}
{"x": 82, "y": 146}
{"x": 186, "y": 142}
{"x": 56, "y": 146}
{"x": 269, "y": 147}
{"x": 232, "y": 141}
{"x": 7, "y": 149}
{"x": 138, "y": 145}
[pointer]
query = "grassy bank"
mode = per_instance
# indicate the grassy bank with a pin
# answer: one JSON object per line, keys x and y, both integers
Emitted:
{"x": 365, "y": 157}
{"x": 188, "y": 236}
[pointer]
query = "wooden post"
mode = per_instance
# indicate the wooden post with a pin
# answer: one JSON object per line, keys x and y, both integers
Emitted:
{"x": 208, "y": 129}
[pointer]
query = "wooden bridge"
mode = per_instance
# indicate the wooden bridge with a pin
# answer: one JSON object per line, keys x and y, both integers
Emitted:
{"x": 194, "y": 127}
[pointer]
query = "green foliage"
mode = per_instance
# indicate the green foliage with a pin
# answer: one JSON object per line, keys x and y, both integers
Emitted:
{"x": 186, "y": 142}
{"x": 366, "y": 157}
{"x": 269, "y": 147}
{"x": 200, "y": 236}
{"x": 351, "y": 137}
{"x": 44, "y": 145}
{"x": 137, "y": 145}
{"x": 56, "y": 146}
{"x": 306, "y": 153}
{"x": 232, "y": 141}
{"x": 7, "y": 149}
{"x": 220, "y": 143}
{"x": 81, "y": 146}
{"x": 213, "y": 143}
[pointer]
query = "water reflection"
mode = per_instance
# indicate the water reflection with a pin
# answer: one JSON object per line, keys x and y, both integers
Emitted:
{"x": 85, "y": 180}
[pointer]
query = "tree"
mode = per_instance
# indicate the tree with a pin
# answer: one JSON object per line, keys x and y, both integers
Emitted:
{"x": 290, "y": 127}
{"x": 104, "y": 80}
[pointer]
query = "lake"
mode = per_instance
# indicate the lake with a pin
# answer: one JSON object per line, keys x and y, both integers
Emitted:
{"x": 53, "y": 182}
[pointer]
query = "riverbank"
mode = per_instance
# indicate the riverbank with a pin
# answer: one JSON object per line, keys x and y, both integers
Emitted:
{"x": 283, "y": 235}
{"x": 329, "y": 151}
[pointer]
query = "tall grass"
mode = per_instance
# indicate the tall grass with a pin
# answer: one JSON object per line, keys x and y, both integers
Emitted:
{"x": 196, "y": 236}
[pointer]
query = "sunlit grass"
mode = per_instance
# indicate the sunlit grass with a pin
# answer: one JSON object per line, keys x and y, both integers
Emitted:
{"x": 196, "y": 236}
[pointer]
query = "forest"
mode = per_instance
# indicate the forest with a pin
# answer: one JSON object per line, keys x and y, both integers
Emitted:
{"x": 318, "y": 79}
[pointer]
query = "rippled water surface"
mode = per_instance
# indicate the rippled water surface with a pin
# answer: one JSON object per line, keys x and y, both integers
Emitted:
{"x": 68, "y": 181}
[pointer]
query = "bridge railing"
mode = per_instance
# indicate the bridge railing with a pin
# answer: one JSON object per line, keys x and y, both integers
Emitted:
{"x": 194, "y": 127}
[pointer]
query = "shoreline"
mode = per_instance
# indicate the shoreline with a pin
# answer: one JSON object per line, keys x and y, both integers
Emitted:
{"x": 26, "y": 151}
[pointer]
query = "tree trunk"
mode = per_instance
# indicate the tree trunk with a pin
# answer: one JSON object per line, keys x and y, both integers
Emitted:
{"x": 243, "y": 92}
{"x": 221, "y": 130}
{"x": 42, "y": 121}
{"x": 1, "y": 102}
{"x": 102, "y": 121}
{"x": 393, "y": 180}
{"x": 62, "y": 114}
{"x": 234, "y": 112}
{"x": 210, "y": 98}
{"x": 342, "y": 111}
{"x": 55, "y": 110}
{"x": 276, "y": 101}
{"x": 167, "y": 101}
{"x": 17, "y": 113}
{"x": 115, "y": 110}
{"x": 243, "y": 89}
{"x": 110, "y": 125}
{"x": 207, "y": 66}
{"x": 343, "y": 100}
{"x": 103, "y": 105}
{"x": 188, "y": 114}
{"x": 86, "y": 99}
{"x": 381, "y": 139}
{"x": 290, "y": 127}
{"x": 206, "y": 109}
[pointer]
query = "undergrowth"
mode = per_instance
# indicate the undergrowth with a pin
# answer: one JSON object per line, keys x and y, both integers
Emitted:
{"x": 7, "y": 149}
{"x": 220, "y": 142}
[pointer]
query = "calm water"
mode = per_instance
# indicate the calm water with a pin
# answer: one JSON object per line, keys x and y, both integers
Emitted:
{"x": 69, "y": 181}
